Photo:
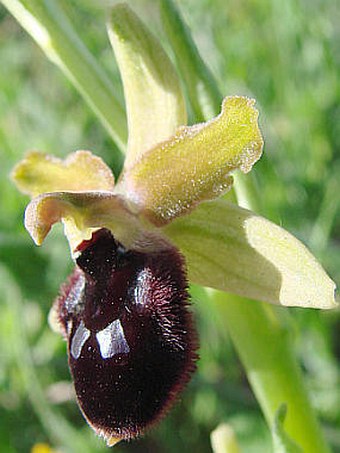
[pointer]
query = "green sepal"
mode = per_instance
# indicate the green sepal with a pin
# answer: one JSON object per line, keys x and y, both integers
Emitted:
{"x": 232, "y": 249}
{"x": 153, "y": 95}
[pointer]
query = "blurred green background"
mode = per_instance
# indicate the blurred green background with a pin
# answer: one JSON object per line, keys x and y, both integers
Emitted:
{"x": 286, "y": 54}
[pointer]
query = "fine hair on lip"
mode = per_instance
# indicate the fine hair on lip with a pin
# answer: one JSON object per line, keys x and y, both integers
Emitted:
{"x": 132, "y": 343}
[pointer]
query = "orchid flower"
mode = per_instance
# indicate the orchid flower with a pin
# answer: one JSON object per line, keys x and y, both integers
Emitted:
{"x": 168, "y": 215}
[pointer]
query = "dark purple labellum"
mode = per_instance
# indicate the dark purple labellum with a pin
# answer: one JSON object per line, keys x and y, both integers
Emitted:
{"x": 131, "y": 341}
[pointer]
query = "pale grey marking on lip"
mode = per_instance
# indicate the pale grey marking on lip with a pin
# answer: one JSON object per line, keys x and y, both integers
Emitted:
{"x": 79, "y": 339}
{"x": 112, "y": 340}
{"x": 141, "y": 292}
{"x": 72, "y": 302}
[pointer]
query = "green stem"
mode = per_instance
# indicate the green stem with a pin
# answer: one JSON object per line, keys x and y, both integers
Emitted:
{"x": 46, "y": 22}
{"x": 256, "y": 329}
{"x": 203, "y": 93}
{"x": 264, "y": 346}
{"x": 246, "y": 192}
{"x": 322, "y": 228}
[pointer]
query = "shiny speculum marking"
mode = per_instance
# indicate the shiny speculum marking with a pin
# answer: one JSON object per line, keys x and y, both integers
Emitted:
{"x": 131, "y": 340}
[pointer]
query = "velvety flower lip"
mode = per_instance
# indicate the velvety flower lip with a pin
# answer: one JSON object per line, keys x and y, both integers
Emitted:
{"x": 131, "y": 337}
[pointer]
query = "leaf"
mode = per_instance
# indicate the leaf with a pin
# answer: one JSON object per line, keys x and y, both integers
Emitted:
{"x": 232, "y": 249}
{"x": 39, "y": 173}
{"x": 153, "y": 95}
{"x": 50, "y": 27}
{"x": 282, "y": 443}
{"x": 195, "y": 164}
{"x": 80, "y": 213}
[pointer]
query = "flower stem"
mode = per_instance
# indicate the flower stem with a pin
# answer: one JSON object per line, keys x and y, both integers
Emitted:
{"x": 49, "y": 26}
{"x": 256, "y": 329}
{"x": 203, "y": 93}
{"x": 264, "y": 345}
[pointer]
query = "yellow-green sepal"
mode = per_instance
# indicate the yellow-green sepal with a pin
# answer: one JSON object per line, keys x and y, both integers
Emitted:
{"x": 153, "y": 95}
{"x": 232, "y": 249}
